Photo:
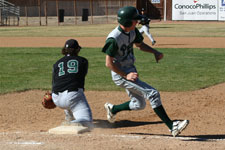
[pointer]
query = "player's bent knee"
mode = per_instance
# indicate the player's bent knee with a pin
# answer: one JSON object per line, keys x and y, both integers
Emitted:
{"x": 156, "y": 103}
{"x": 155, "y": 100}
{"x": 137, "y": 105}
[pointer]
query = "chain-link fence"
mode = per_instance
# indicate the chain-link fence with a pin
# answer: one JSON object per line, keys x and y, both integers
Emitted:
{"x": 72, "y": 12}
{"x": 9, "y": 13}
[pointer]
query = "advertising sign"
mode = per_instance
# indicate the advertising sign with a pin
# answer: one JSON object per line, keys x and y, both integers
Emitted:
{"x": 155, "y": 1}
{"x": 222, "y": 10}
{"x": 195, "y": 9}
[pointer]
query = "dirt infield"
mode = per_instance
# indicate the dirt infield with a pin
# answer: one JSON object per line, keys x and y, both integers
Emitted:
{"x": 163, "y": 42}
{"x": 24, "y": 122}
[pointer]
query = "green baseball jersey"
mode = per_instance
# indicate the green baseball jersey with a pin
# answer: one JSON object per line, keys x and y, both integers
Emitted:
{"x": 119, "y": 44}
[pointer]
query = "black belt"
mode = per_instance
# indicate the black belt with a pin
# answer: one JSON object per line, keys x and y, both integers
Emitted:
{"x": 57, "y": 93}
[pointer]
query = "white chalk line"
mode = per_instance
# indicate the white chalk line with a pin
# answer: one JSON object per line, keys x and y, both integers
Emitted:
{"x": 25, "y": 143}
{"x": 31, "y": 142}
{"x": 122, "y": 136}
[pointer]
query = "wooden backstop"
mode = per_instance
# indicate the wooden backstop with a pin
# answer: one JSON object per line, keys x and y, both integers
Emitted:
{"x": 73, "y": 12}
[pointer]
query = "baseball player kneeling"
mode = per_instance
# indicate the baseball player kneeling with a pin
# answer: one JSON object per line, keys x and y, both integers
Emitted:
{"x": 68, "y": 80}
{"x": 120, "y": 60}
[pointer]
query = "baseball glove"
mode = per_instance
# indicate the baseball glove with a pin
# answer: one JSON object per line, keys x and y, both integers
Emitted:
{"x": 47, "y": 101}
{"x": 158, "y": 56}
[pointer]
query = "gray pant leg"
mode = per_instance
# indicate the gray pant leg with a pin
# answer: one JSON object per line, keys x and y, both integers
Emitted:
{"x": 138, "y": 91}
{"x": 69, "y": 115}
{"x": 137, "y": 102}
{"x": 80, "y": 107}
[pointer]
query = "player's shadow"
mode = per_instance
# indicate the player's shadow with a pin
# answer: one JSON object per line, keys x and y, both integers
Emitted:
{"x": 206, "y": 137}
{"x": 98, "y": 123}
{"x": 203, "y": 138}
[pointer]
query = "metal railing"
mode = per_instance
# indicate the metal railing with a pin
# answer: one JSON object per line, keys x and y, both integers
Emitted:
{"x": 8, "y": 13}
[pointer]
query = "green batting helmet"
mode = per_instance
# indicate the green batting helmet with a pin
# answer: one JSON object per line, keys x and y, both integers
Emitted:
{"x": 126, "y": 14}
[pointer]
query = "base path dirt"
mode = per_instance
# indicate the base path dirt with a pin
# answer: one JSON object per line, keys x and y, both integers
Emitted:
{"x": 163, "y": 42}
{"x": 24, "y": 123}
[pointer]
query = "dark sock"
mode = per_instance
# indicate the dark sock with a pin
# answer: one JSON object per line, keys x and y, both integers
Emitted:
{"x": 160, "y": 111}
{"x": 121, "y": 107}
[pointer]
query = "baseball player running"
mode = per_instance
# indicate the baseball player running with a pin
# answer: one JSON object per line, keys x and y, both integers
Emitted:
{"x": 120, "y": 60}
{"x": 145, "y": 26}
{"x": 68, "y": 80}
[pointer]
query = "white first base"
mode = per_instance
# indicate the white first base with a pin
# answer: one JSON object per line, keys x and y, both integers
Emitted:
{"x": 68, "y": 130}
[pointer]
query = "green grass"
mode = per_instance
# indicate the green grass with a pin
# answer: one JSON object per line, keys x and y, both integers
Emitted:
{"x": 158, "y": 29}
{"x": 191, "y": 29}
{"x": 57, "y": 31}
{"x": 180, "y": 70}
{"x": 185, "y": 69}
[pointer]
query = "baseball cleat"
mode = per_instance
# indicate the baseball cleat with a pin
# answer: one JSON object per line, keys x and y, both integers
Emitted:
{"x": 110, "y": 115}
{"x": 153, "y": 43}
{"x": 178, "y": 127}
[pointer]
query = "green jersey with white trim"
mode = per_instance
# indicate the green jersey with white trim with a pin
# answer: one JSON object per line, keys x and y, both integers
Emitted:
{"x": 119, "y": 44}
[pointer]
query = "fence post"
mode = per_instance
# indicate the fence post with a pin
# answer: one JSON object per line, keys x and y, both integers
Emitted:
{"x": 14, "y": 22}
{"x": 120, "y": 3}
{"x": 0, "y": 16}
{"x": 26, "y": 14}
{"x": 18, "y": 20}
{"x": 46, "y": 16}
{"x": 106, "y": 10}
{"x": 164, "y": 10}
{"x": 39, "y": 7}
{"x": 75, "y": 11}
{"x": 57, "y": 10}
{"x": 91, "y": 7}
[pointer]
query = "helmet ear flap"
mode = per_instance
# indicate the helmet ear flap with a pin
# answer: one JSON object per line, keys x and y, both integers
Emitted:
{"x": 128, "y": 23}
{"x": 125, "y": 22}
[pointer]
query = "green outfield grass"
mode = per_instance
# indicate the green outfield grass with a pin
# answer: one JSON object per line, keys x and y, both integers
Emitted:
{"x": 181, "y": 69}
{"x": 158, "y": 29}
